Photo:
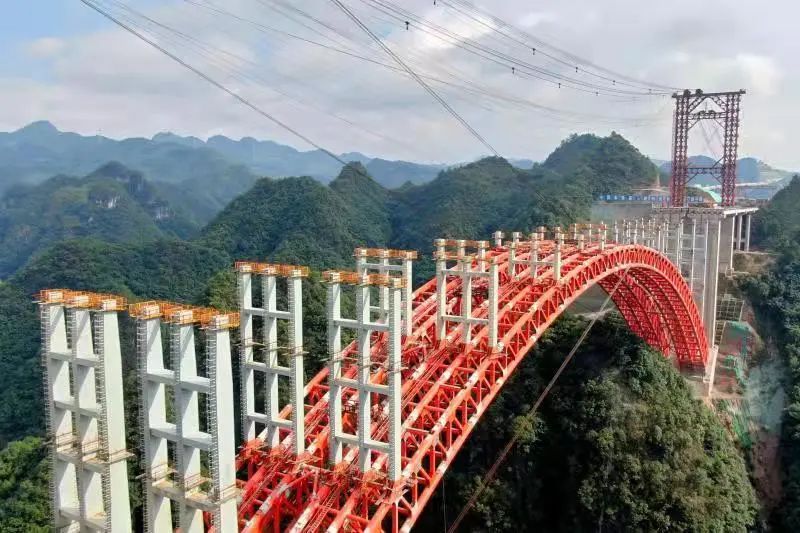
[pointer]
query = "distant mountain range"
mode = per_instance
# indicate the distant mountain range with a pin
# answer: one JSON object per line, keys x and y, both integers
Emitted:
{"x": 221, "y": 167}
{"x": 297, "y": 218}
{"x": 748, "y": 170}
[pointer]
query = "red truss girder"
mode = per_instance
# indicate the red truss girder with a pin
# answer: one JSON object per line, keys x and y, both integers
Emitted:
{"x": 448, "y": 386}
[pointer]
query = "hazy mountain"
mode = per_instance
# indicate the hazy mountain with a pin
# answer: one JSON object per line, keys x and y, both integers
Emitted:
{"x": 113, "y": 204}
{"x": 748, "y": 170}
{"x": 39, "y": 150}
{"x": 394, "y": 174}
{"x": 215, "y": 170}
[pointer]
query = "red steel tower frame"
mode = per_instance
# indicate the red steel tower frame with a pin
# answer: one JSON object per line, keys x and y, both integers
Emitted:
{"x": 687, "y": 114}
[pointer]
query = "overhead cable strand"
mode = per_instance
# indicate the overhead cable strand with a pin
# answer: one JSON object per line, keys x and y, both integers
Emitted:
{"x": 574, "y": 58}
{"x": 499, "y": 57}
{"x": 480, "y": 20}
{"x": 487, "y": 478}
{"x": 209, "y": 79}
{"x": 207, "y": 50}
{"x": 471, "y": 87}
{"x": 414, "y": 75}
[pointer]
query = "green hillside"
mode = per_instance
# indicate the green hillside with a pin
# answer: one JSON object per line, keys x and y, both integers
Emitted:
{"x": 293, "y": 220}
{"x": 473, "y": 200}
{"x": 778, "y": 223}
{"x": 113, "y": 204}
{"x": 297, "y": 218}
{"x": 613, "y": 164}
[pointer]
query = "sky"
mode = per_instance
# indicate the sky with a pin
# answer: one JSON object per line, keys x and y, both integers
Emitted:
{"x": 321, "y": 76}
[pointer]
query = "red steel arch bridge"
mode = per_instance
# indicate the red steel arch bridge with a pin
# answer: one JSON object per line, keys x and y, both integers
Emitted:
{"x": 363, "y": 444}
{"x": 471, "y": 326}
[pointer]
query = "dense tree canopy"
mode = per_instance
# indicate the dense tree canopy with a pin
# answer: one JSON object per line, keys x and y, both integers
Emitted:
{"x": 620, "y": 444}
{"x": 777, "y": 225}
{"x": 24, "y": 498}
{"x": 777, "y": 297}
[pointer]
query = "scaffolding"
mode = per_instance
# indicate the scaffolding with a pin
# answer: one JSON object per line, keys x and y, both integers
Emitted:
{"x": 452, "y": 261}
{"x": 729, "y": 307}
{"x": 85, "y": 414}
{"x": 736, "y": 347}
{"x": 174, "y": 439}
{"x": 735, "y": 413}
{"x": 260, "y": 352}
{"x": 373, "y": 377}
{"x": 387, "y": 261}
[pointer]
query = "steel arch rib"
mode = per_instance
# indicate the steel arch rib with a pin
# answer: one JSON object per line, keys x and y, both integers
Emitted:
{"x": 449, "y": 386}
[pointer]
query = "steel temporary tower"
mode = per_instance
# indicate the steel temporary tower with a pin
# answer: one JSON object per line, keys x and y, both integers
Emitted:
{"x": 724, "y": 110}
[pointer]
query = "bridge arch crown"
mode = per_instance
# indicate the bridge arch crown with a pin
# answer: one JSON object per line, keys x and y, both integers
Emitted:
{"x": 652, "y": 296}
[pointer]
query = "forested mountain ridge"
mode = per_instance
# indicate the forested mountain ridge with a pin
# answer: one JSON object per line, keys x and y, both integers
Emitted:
{"x": 613, "y": 164}
{"x": 112, "y": 203}
{"x": 275, "y": 217}
{"x": 39, "y": 150}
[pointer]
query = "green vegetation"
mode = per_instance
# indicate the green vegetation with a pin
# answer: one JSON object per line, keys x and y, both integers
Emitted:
{"x": 777, "y": 299}
{"x": 113, "y": 204}
{"x": 24, "y": 498}
{"x": 618, "y": 445}
{"x": 612, "y": 164}
{"x": 20, "y": 372}
{"x": 777, "y": 225}
{"x": 474, "y": 200}
{"x": 619, "y": 441}
{"x": 159, "y": 269}
{"x": 292, "y": 220}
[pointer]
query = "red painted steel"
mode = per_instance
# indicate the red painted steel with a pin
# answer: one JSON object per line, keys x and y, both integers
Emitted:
{"x": 447, "y": 387}
{"x": 688, "y": 113}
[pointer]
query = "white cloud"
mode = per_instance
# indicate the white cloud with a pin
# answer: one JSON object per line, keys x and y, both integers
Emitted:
{"x": 762, "y": 72}
{"x": 44, "y": 47}
{"x": 535, "y": 18}
{"x": 108, "y": 80}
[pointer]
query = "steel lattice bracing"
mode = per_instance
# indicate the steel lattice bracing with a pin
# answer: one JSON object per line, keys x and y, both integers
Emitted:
{"x": 725, "y": 113}
{"x": 447, "y": 384}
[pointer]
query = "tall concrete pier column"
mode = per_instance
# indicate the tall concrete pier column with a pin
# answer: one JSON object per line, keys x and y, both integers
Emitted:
{"x": 727, "y": 241}
{"x": 747, "y": 233}
{"x": 355, "y": 377}
{"x": 85, "y": 417}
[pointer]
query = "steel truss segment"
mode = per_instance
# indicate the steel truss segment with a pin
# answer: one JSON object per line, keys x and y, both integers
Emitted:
{"x": 685, "y": 117}
{"x": 447, "y": 386}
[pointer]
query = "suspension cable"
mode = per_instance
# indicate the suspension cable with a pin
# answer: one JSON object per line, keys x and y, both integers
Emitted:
{"x": 414, "y": 75}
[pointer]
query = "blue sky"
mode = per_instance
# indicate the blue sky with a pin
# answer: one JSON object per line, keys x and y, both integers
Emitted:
{"x": 65, "y": 63}
{"x": 26, "y": 21}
